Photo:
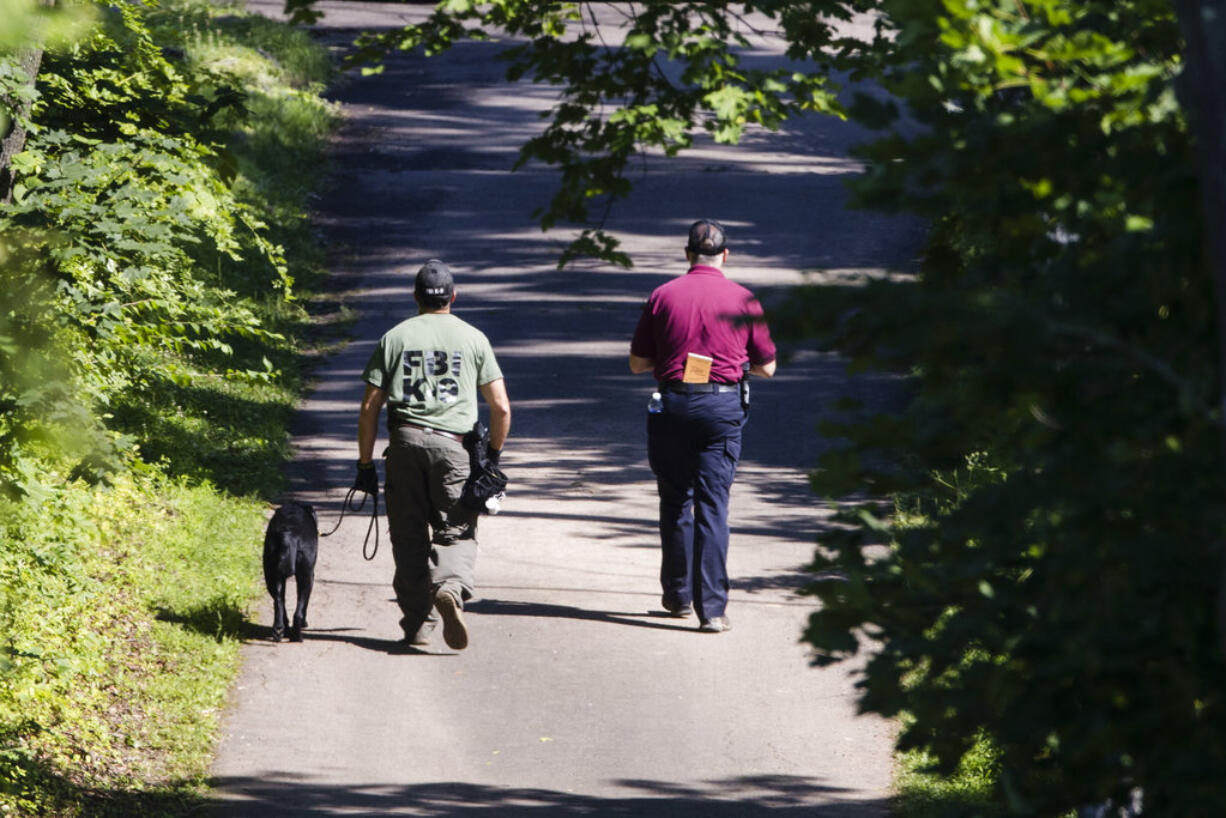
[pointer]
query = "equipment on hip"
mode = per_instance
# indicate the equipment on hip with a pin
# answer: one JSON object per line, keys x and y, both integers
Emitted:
{"x": 486, "y": 486}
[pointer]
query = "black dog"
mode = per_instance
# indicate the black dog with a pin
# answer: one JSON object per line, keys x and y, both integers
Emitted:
{"x": 290, "y": 545}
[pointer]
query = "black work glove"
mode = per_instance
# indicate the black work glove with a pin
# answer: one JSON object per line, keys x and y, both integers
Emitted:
{"x": 492, "y": 455}
{"x": 367, "y": 479}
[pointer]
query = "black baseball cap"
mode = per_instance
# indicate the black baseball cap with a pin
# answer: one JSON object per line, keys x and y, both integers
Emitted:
{"x": 706, "y": 238}
{"x": 434, "y": 280}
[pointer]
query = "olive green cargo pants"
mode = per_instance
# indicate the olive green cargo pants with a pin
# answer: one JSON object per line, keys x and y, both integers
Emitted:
{"x": 434, "y": 537}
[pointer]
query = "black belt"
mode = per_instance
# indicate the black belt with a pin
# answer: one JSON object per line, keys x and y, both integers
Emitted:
{"x": 430, "y": 430}
{"x": 681, "y": 386}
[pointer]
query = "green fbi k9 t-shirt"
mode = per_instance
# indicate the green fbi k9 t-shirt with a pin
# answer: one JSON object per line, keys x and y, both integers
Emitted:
{"x": 430, "y": 366}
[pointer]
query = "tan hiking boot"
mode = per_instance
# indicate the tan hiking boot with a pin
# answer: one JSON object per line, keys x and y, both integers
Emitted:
{"x": 455, "y": 632}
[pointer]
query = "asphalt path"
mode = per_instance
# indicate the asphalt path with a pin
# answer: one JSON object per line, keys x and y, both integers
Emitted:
{"x": 576, "y": 694}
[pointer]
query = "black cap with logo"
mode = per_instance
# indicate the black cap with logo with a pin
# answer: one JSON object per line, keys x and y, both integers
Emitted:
{"x": 434, "y": 281}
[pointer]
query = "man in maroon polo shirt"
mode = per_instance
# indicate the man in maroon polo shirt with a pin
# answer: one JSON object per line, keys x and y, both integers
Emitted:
{"x": 699, "y": 334}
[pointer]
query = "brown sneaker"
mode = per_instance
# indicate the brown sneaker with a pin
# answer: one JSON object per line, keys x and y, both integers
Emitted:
{"x": 455, "y": 632}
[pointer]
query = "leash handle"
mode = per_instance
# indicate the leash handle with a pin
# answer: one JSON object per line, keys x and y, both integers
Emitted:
{"x": 347, "y": 505}
{"x": 374, "y": 523}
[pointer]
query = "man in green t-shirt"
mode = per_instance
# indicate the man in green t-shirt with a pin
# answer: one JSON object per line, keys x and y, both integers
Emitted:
{"x": 429, "y": 369}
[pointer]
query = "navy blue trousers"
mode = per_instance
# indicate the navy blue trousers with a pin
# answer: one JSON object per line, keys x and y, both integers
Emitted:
{"x": 693, "y": 447}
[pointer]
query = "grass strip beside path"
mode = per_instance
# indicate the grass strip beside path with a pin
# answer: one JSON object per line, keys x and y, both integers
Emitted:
{"x": 123, "y": 605}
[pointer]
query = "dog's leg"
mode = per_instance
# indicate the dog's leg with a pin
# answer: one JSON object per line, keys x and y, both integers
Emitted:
{"x": 274, "y": 577}
{"x": 277, "y": 589}
{"x": 304, "y": 577}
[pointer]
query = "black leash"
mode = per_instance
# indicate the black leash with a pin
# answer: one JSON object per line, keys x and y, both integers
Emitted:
{"x": 347, "y": 505}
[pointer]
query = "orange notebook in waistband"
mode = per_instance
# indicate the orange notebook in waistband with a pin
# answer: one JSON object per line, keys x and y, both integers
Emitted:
{"x": 697, "y": 369}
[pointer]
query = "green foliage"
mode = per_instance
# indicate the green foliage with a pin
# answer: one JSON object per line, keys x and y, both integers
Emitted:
{"x": 120, "y": 178}
{"x": 40, "y": 408}
{"x": 1053, "y": 586}
{"x": 146, "y": 226}
{"x": 967, "y": 791}
{"x": 27, "y": 22}
{"x": 149, "y": 362}
{"x": 110, "y": 681}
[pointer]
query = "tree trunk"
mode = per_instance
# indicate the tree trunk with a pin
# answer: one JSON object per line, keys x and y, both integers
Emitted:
{"x": 1203, "y": 89}
{"x": 15, "y": 139}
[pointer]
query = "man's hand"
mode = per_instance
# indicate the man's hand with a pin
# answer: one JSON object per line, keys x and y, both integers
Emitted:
{"x": 766, "y": 370}
{"x": 367, "y": 479}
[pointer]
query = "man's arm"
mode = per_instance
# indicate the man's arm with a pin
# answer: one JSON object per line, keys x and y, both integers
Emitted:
{"x": 495, "y": 394}
{"x": 368, "y": 422}
{"x": 639, "y": 365}
{"x": 766, "y": 370}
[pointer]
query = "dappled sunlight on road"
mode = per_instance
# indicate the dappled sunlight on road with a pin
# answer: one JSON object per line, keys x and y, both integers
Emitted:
{"x": 578, "y": 694}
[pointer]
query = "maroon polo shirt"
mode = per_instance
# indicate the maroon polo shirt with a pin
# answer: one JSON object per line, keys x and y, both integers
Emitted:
{"x": 700, "y": 312}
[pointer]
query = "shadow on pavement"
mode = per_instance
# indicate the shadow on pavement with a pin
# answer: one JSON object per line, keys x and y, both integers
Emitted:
{"x": 746, "y": 797}
{"x": 639, "y": 619}
{"x": 421, "y": 168}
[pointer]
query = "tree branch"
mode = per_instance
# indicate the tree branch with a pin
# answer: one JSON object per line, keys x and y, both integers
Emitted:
{"x": 17, "y": 109}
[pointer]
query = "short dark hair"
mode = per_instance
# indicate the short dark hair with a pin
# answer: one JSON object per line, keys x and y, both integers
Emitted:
{"x": 434, "y": 286}
{"x": 707, "y": 238}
